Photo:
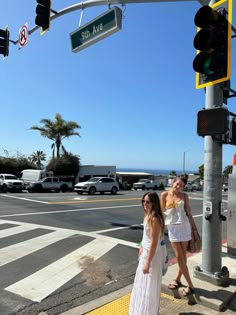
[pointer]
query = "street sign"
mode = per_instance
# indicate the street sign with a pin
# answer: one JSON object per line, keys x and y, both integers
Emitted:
{"x": 97, "y": 29}
{"x": 23, "y": 35}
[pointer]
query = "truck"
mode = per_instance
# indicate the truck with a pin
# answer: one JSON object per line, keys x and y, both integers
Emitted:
{"x": 48, "y": 184}
{"x": 9, "y": 182}
{"x": 88, "y": 171}
{"x": 30, "y": 176}
{"x": 147, "y": 184}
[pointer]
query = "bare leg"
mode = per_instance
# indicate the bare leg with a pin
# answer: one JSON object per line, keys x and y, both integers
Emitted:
{"x": 180, "y": 253}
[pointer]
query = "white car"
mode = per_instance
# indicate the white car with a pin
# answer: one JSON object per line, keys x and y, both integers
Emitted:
{"x": 97, "y": 184}
{"x": 9, "y": 182}
{"x": 48, "y": 184}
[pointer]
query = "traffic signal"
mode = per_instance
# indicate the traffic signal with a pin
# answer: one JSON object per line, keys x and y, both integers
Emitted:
{"x": 4, "y": 42}
{"x": 43, "y": 10}
{"x": 212, "y": 122}
{"x": 213, "y": 43}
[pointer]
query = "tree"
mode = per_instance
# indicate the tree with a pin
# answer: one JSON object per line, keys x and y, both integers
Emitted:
{"x": 56, "y": 131}
{"x": 201, "y": 171}
{"x": 37, "y": 158}
{"x": 227, "y": 170}
{"x": 68, "y": 164}
{"x": 173, "y": 173}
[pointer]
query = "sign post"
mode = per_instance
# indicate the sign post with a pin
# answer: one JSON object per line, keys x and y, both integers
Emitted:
{"x": 97, "y": 29}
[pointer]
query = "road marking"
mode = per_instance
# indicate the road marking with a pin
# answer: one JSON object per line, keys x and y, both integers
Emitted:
{"x": 19, "y": 250}
{"x": 15, "y": 230}
{"x": 26, "y": 199}
{"x": 45, "y": 281}
{"x": 90, "y": 200}
{"x": 64, "y": 211}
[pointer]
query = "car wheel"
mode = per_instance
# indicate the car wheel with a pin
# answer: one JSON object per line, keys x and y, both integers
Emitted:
{"x": 4, "y": 188}
{"x": 114, "y": 190}
{"x": 92, "y": 190}
{"x": 38, "y": 188}
{"x": 64, "y": 188}
{"x": 143, "y": 188}
{"x": 155, "y": 187}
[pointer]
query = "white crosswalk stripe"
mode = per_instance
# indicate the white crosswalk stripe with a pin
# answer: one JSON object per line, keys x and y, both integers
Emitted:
{"x": 19, "y": 250}
{"x": 44, "y": 282}
{"x": 40, "y": 284}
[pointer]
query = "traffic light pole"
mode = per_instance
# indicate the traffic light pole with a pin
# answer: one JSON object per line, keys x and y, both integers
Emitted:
{"x": 211, "y": 269}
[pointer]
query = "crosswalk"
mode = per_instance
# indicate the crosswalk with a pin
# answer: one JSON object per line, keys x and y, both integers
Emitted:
{"x": 36, "y": 285}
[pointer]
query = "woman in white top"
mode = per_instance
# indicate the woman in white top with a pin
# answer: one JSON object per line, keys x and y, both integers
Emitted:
{"x": 174, "y": 204}
{"x": 145, "y": 296}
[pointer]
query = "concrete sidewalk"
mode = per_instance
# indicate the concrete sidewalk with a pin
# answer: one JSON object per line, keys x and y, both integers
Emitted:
{"x": 208, "y": 299}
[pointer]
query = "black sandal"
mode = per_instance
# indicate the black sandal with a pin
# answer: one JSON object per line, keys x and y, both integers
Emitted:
{"x": 187, "y": 293}
{"x": 175, "y": 284}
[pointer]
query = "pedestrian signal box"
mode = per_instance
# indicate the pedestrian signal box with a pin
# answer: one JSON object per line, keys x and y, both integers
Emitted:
{"x": 212, "y": 122}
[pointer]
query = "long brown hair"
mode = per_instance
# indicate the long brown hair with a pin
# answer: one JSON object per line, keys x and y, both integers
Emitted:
{"x": 156, "y": 209}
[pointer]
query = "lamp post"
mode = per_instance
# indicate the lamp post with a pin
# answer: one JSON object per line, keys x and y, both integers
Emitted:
{"x": 184, "y": 162}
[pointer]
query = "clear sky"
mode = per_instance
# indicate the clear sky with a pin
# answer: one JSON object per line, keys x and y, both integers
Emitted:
{"x": 133, "y": 93}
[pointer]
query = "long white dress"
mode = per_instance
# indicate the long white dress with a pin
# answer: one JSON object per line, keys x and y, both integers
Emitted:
{"x": 145, "y": 296}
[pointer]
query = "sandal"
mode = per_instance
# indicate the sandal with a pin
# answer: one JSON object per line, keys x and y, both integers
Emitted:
{"x": 175, "y": 284}
{"x": 187, "y": 293}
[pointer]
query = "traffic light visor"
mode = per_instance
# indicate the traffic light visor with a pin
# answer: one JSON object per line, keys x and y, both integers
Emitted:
{"x": 212, "y": 122}
{"x": 45, "y": 3}
{"x": 202, "y": 63}
{"x": 206, "y": 17}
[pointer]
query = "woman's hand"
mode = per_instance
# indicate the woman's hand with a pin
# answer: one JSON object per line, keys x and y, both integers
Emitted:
{"x": 146, "y": 268}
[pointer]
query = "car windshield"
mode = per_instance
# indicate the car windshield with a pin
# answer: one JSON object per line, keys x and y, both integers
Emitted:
{"x": 10, "y": 177}
{"x": 94, "y": 179}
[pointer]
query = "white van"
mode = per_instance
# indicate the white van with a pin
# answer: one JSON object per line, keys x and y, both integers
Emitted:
{"x": 30, "y": 175}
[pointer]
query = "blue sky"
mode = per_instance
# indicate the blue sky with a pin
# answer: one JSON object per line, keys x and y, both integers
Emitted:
{"x": 133, "y": 93}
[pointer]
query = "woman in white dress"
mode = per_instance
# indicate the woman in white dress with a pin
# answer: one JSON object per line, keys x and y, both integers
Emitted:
{"x": 145, "y": 296}
{"x": 174, "y": 204}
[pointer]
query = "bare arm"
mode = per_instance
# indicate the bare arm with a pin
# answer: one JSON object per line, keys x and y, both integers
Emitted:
{"x": 188, "y": 209}
{"x": 163, "y": 201}
{"x": 154, "y": 235}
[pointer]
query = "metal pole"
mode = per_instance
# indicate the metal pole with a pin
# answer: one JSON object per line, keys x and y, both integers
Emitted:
{"x": 184, "y": 163}
{"x": 211, "y": 269}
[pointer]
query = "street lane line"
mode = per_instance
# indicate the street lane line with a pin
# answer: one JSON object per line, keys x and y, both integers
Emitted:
{"x": 26, "y": 199}
{"x": 45, "y": 281}
{"x": 19, "y": 250}
{"x": 64, "y": 211}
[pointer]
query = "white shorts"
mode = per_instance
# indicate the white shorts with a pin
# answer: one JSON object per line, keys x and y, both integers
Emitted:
{"x": 179, "y": 232}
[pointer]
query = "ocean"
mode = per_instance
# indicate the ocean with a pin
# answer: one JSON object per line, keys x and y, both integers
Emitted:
{"x": 153, "y": 171}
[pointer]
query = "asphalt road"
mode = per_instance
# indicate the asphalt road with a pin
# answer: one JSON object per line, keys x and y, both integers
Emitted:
{"x": 60, "y": 250}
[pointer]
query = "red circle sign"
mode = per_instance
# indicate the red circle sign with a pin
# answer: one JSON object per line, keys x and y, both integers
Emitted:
{"x": 23, "y": 35}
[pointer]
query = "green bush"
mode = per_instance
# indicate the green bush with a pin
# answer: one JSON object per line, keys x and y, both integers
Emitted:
{"x": 65, "y": 165}
{"x": 11, "y": 165}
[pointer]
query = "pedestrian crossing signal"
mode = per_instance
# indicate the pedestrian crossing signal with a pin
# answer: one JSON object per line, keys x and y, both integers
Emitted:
{"x": 213, "y": 43}
{"x": 212, "y": 122}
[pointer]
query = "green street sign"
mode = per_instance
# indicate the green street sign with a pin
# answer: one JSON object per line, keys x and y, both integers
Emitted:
{"x": 99, "y": 28}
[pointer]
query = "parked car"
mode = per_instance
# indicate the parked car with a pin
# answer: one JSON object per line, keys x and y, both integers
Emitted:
{"x": 188, "y": 186}
{"x": 146, "y": 184}
{"x": 97, "y": 184}
{"x": 9, "y": 182}
{"x": 196, "y": 186}
{"x": 48, "y": 184}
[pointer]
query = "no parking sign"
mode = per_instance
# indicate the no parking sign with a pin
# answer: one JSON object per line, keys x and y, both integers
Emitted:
{"x": 23, "y": 35}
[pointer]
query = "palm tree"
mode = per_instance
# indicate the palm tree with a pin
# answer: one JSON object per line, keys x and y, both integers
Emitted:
{"x": 37, "y": 158}
{"x": 56, "y": 131}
